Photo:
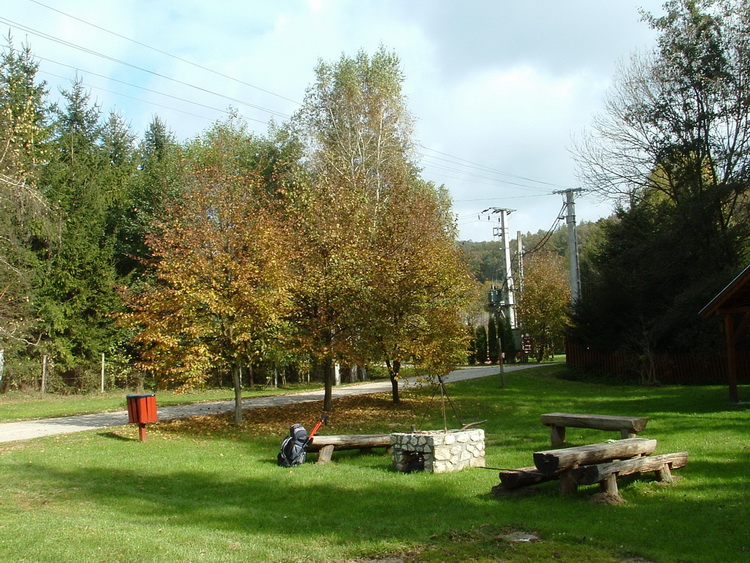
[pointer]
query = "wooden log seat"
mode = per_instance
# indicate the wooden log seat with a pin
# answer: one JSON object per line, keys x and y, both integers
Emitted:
{"x": 551, "y": 462}
{"x": 595, "y": 463}
{"x": 325, "y": 445}
{"x": 628, "y": 426}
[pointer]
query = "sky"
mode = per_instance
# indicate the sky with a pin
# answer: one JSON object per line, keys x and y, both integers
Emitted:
{"x": 499, "y": 89}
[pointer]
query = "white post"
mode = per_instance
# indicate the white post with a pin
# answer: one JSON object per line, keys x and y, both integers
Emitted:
{"x": 102, "y": 372}
{"x": 508, "y": 268}
{"x": 44, "y": 374}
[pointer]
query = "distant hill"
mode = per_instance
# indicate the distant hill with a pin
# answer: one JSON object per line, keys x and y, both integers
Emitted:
{"x": 485, "y": 258}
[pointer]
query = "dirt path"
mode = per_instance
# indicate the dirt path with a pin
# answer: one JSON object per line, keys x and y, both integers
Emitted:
{"x": 27, "y": 430}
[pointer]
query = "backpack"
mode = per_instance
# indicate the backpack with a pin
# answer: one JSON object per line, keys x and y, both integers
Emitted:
{"x": 294, "y": 447}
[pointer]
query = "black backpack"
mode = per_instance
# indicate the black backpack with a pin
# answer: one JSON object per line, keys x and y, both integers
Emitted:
{"x": 294, "y": 447}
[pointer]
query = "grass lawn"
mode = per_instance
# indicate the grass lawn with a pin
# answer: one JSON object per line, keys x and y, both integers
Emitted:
{"x": 203, "y": 490}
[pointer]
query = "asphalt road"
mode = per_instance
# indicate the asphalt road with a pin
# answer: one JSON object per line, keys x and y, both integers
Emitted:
{"x": 27, "y": 430}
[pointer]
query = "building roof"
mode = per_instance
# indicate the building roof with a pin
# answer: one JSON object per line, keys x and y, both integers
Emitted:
{"x": 733, "y": 298}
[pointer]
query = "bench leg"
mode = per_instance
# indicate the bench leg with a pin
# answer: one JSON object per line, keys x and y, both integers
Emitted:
{"x": 324, "y": 456}
{"x": 568, "y": 484}
{"x": 625, "y": 433}
{"x": 557, "y": 435}
{"x": 664, "y": 474}
{"x": 609, "y": 485}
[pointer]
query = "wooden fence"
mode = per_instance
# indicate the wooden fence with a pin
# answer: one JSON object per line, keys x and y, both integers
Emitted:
{"x": 677, "y": 368}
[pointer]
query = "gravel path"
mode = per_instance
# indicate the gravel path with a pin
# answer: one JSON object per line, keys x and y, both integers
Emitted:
{"x": 27, "y": 430}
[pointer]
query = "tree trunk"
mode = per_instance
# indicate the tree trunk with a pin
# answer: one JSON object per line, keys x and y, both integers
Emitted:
{"x": 328, "y": 379}
{"x": 393, "y": 371}
{"x": 237, "y": 382}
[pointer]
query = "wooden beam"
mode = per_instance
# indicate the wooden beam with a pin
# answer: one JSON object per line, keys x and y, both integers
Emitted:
{"x": 554, "y": 461}
{"x": 523, "y": 477}
{"x": 591, "y": 474}
{"x": 598, "y": 421}
{"x": 731, "y": 358}
{"x": 350, "y": 441}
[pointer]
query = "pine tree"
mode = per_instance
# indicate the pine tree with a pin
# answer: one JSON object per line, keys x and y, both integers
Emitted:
{"x": 24, "y": 212}
{"x": 77, "y": 295}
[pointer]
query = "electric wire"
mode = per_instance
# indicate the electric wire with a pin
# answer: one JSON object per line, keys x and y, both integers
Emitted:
{"x": 109, "y": 78}
{"x": 489, "y": 169}
{"x": 473, "y": 175}
{"x": 547, "y": 235}
{"x": 157, "y": 50}
{"x": 134, "y": 98}
{"x": 467, "y": 168}
{"x": 139, "y": 68}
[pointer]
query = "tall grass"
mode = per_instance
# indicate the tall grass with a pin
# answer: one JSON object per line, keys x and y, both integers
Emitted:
{"x": 202, "y": 490}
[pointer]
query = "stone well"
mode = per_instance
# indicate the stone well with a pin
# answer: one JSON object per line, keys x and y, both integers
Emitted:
{"x": 438, "y": 451}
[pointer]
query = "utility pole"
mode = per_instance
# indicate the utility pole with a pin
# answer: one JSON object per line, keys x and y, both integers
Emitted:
{"x": 570, "y": 219}
{"x": 519, "y": 253}
{"x": 502, "y": 231}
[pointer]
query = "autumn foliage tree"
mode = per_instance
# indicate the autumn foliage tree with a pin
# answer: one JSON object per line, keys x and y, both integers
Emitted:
{"x": 382, "y": 280}
{"x": 544, "y": 302}
{"x": 218, "y": 298}
{"x": 419, "y": 284}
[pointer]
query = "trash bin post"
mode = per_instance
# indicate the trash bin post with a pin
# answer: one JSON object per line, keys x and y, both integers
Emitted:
{"x": 141, "y": 411}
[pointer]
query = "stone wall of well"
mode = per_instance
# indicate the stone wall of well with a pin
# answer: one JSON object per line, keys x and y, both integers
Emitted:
{"x": 442, "y": 451}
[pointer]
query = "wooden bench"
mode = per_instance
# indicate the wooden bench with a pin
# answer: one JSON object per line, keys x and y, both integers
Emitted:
{"x": 628, "y": 426}
{"x": 594, "y": 463}
{"x": 606, "y": 473}
{"x": 325, "y": 445}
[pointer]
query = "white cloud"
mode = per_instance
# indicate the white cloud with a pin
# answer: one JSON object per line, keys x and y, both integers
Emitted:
{"x": 500, "y": 83}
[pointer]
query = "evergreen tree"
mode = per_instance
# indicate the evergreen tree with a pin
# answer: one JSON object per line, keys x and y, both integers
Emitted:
{"x": 77, "y": 295}
{"x": 157, "y": 182}
{"x": 674, "y": 148}
{"x": 24, "y": 213}
{"x": 508, "y": 341}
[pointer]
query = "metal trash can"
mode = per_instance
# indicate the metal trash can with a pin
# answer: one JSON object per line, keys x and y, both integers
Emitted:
{"x": 141, "y": 411}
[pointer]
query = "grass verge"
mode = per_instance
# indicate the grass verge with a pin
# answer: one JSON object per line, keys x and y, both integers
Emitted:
{"x": 204, "y": 490}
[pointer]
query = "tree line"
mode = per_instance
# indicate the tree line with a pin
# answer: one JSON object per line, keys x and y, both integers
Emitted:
{"x": 672, "y": 147}
{"x": 672, "y": 150}
{"x": 231, "y": 253}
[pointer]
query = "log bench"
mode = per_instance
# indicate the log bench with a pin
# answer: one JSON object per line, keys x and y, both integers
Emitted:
{"x": 628, "y": 426}
{"x": 325, "y": 445}
{"x": 594, "y": 463}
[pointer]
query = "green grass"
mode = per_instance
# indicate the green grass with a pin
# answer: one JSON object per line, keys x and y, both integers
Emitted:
{"x": 204, "y": 491}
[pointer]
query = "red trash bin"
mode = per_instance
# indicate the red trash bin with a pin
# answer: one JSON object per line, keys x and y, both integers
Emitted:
{"x": 141, "y": 411}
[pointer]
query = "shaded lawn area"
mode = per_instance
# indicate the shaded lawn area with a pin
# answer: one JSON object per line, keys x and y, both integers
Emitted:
{"x": 203, "y": 490}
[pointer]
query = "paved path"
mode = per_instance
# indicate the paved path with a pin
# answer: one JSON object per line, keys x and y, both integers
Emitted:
{"x": 27, "y": 430}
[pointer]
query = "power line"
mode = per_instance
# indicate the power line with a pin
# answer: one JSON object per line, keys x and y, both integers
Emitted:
{"x": 548, "y": 234}
{"x": 473, "y": 175}
{"x": 133, "y": 98}
{"x": 489, "y": 169}
{"x": 450, "y": 159}
{"x": 157, "y": 50}
{"x": 136, "y": 67}
{"x": 87, "y": 72}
